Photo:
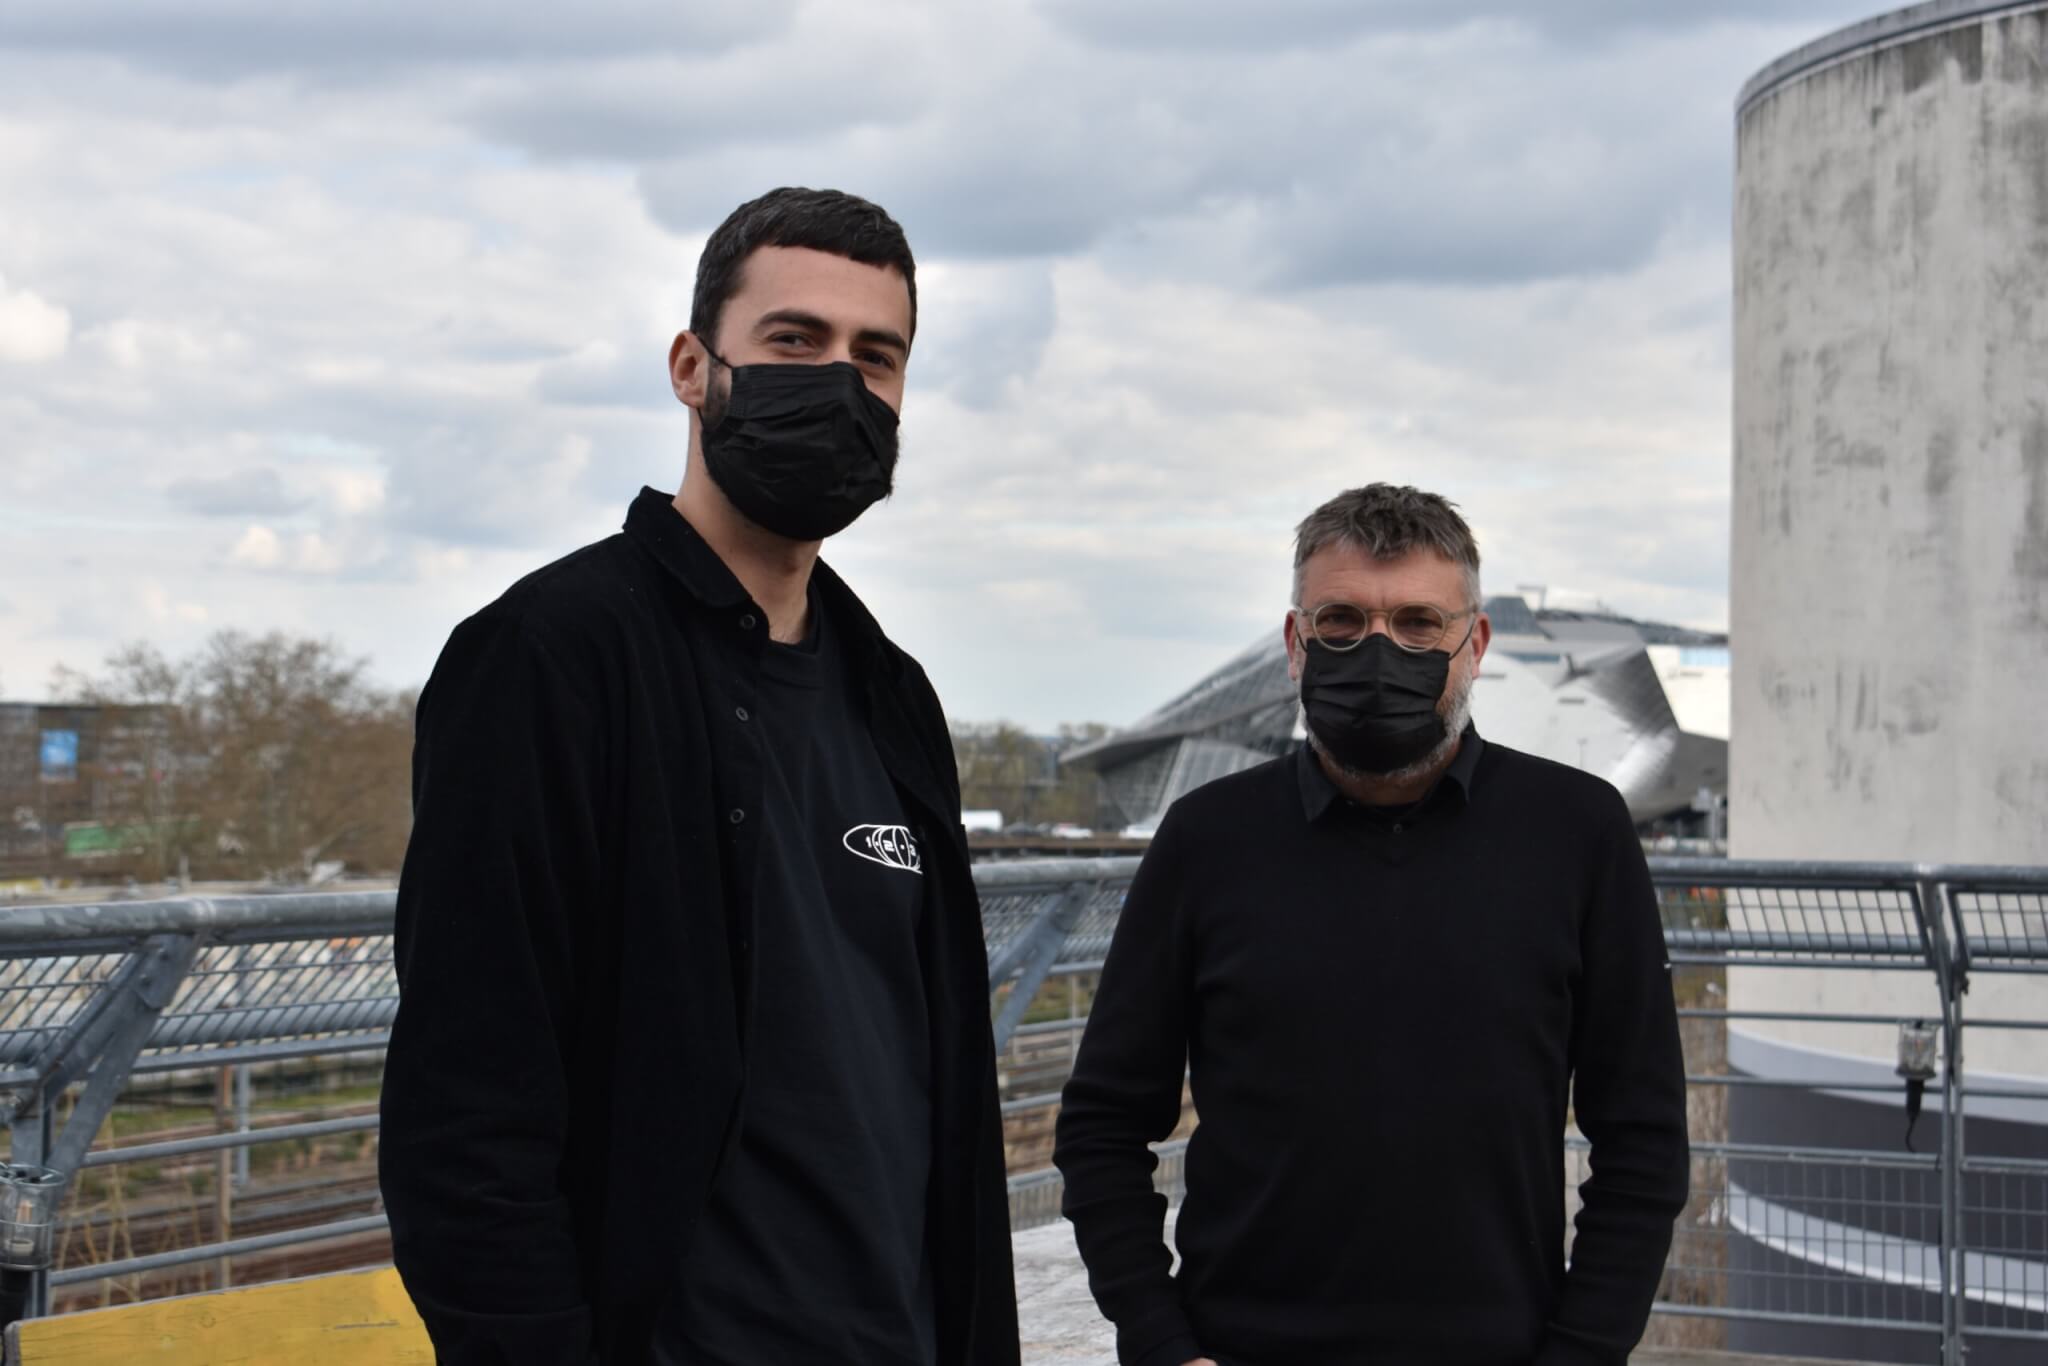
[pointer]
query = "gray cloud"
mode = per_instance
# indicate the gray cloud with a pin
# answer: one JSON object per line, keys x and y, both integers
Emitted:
{"x": 1276, "y": 25}
{"x": 216, "y": 38}
{"x": 1381, "y": 158}
{"x": 258, "y": 492}
{"x": 1175, "y": 293}
{"x": 602, "y": 375}
{"x": 981, "y": 328}
{"x": 1302, "y": 144}
{"x": 654, "y": 103}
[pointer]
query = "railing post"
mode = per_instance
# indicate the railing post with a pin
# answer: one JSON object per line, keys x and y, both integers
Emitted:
{"x": 1948, "y": 958}
{"x": 141, "y": 990}
{"x": 1046, "y": 937}
{"x": 1954, "y": 1101}
{"x": 224, "y": 1174}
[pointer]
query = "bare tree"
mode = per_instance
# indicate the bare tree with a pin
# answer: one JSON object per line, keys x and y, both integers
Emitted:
{"x": 273, "y": 754}
{"x": 1005, "y": 768}
{"x": 149, "y": 759}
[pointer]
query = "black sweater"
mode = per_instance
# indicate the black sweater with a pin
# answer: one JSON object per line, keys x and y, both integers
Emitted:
{"x": 1382, "y": 1021}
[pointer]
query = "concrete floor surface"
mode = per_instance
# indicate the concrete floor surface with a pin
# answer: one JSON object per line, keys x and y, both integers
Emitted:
{"x": 1060, "y": 1325}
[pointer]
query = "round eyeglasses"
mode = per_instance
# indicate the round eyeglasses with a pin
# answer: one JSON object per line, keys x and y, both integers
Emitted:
{"x": 1415, "y": 626}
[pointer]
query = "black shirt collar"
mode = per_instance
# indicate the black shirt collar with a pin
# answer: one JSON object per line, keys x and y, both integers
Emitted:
{"x": 654, "y": 524}
{"x": 1319, "y": 794}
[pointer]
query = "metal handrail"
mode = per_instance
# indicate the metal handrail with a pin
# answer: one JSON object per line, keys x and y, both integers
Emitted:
{"x": 254, "y": 998}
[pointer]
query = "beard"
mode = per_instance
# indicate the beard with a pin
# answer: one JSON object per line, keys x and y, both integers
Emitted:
{"x": 1455, "y": 707}
{"x": 717, "y": 396}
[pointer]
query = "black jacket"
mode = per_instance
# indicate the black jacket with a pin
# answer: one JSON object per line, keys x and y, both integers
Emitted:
{"x": 574, "y": 926}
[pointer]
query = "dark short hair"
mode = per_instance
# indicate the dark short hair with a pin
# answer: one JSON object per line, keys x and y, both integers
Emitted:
{"x": 823, "y": 220}
{"x": 1387, "y": 521}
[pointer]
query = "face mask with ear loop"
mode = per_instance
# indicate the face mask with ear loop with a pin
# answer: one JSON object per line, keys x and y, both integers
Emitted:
{"x": 801, "y": 450}
{"x": 1374, "y": 707}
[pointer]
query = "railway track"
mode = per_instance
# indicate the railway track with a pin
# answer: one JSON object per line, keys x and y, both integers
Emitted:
{"x": 165, "y": 1211}
{"x": 159, "y": 1205}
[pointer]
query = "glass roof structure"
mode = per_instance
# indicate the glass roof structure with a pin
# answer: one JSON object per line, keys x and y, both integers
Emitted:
{"x": 1594, "y": 690}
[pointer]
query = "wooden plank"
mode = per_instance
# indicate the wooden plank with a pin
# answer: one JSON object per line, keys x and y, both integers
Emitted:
{"x": 353, "y": 1318}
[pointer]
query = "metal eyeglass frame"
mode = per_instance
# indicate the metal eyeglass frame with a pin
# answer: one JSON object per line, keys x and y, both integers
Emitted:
{"x": 1302, "y": 616}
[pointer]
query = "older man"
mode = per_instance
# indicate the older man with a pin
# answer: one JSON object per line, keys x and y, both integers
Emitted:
{"x": 1389, "y": 964}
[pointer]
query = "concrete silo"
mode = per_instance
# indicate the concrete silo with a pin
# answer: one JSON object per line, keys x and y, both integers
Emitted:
{"x": 1889, "y": 593}
{"x": 1890, "y": 568}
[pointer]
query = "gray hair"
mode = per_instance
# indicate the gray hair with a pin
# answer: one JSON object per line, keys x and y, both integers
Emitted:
{"x": 1387, "y": 521}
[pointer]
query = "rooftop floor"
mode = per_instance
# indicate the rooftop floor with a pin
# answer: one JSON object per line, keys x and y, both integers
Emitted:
{"x": 1060, "y": 1325}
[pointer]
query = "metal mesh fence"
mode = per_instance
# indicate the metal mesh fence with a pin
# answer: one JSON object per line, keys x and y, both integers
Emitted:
{"x": 1007, "y": 915}
{"x": 1790, "y": 1235}
{"x": 1769, "y": 1233}
{"x": 41, "y": 998}
{"x": 298, "y": 990}
{"x": 1009, "y": 909}
{"x": 2005, "y": 1229}
{"x": 2003, "y": 929}
{"x": 1089, "y": 943}
{"x": 342, "y": 991}
{"x": 1795, "y": 925}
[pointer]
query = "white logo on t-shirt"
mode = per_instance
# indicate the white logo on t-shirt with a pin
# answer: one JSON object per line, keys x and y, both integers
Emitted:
{"x": 889, "y": 845}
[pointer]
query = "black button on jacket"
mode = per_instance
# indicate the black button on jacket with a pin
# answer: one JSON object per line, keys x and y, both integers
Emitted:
{"x": 573, "y": 920}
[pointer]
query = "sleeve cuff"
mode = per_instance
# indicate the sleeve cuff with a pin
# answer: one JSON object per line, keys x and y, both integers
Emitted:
{"x": 1558, "y": 1350}
{"x": 1179, "y": 1348}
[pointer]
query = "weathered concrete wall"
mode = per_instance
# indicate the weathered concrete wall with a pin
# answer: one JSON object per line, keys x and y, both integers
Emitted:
{"x": 1889, "y": 595}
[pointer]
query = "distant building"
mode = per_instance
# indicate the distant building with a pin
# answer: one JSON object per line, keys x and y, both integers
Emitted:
{"x": 66, "y": 776}
{"x": 1644, "y": 705}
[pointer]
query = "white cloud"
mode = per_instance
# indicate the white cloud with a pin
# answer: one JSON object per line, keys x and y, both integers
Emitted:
{"x": 142, "y": 343}
{"x": 354, "y": 492}
{"x": 352, "y": 318}
{"x": 258, "y": 547}
{"x": 31, "y": 328}
{"x": 163, "y": 608}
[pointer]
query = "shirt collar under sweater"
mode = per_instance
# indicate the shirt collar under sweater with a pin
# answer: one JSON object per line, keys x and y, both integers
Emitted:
{"x": 1319, "y": 794}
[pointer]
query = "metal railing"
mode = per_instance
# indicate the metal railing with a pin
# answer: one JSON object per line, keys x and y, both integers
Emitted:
{"x": 1937, "y": 1243}
{"x": 1936, "y": 1246}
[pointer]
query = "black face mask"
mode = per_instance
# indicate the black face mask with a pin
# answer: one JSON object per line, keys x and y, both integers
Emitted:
{"x": 1374, "y": 707}
{"x": 801, "y": 450}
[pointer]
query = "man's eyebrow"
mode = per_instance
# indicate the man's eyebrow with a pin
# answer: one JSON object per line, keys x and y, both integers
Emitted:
{"x": 792, "y": 317}
{"x": 883, "y": 336}
{"x": 811, "y": 322}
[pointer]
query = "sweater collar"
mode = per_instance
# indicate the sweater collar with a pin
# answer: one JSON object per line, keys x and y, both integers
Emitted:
{"x": 1319, "y": 794}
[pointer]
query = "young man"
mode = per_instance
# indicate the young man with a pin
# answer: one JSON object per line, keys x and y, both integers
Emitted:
{"x": 1383, "y": 962}
{"x": 692, "y": 1064}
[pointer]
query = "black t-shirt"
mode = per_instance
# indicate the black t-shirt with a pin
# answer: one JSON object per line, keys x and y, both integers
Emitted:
{"x": 813, "y": 1246}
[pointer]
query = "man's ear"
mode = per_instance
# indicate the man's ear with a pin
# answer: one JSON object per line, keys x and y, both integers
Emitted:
{"x": 1295, "y": 650}
{"x": 689, "y": 370}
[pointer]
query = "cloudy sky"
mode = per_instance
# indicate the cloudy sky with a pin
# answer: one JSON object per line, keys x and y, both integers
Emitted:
{"x": 337, "y": 318}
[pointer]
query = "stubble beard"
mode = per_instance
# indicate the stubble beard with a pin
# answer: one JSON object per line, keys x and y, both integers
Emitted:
{"x": 717, "y": 397}
{"x": 1456, "y": 710}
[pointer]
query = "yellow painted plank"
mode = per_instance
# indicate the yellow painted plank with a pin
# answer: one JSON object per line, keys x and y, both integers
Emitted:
{"x": 353, "y": 1318}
